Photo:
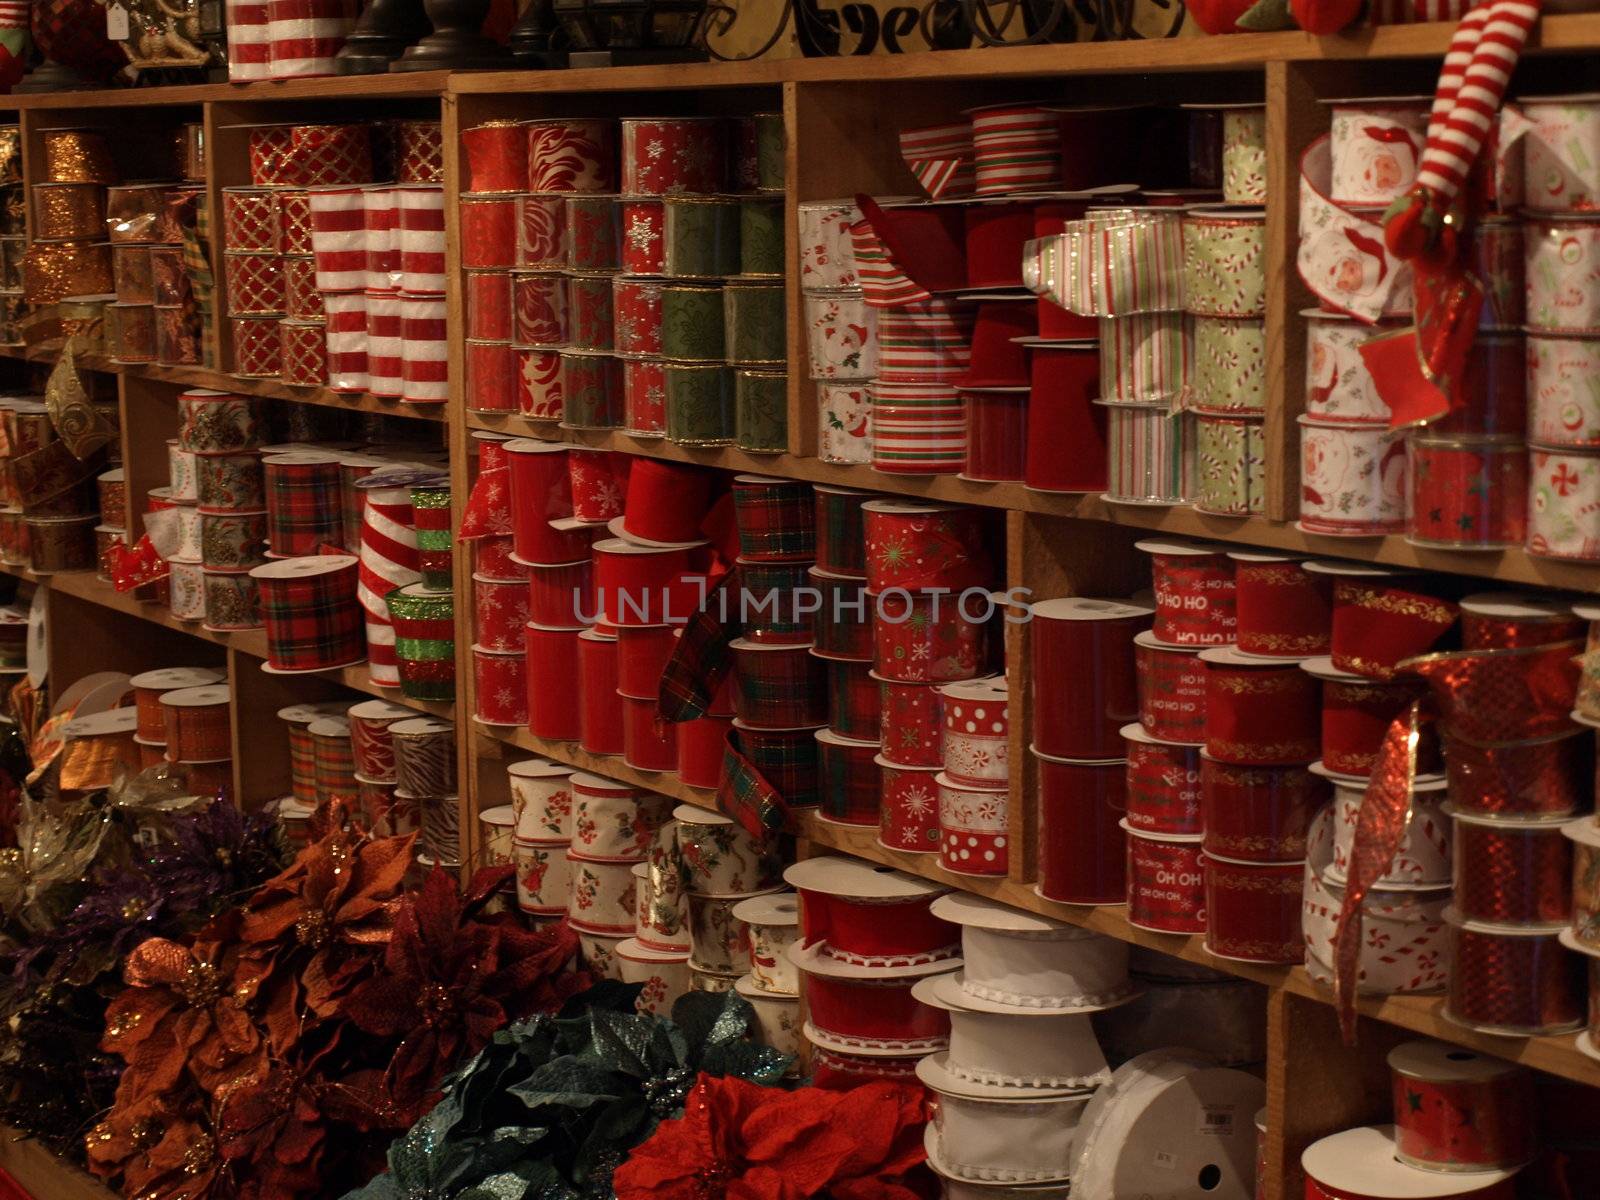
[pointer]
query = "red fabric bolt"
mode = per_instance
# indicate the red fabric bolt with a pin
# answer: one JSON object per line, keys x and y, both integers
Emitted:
{"x": 553, "y": 683}
{"x": 1528, "y": 983}
{"x": 501, "y": 682}
{"x": 700, "y": 748}
{"x": 878, "y": 1009}
{"x": 650, "y": 743}
{"x": 1281, "y": 609}
{"x": 1253, "y": 910}
{"x": 997, "y": 359}
{"x": 1379, "y": 622}
{"x": 1065, "y": 380}
{"x": 491, "y": 377}
{"x": 850, "y": 780}
{"x": 1511, "y": 875}
{"x": 877, "y": 932}
{"x": 1166, "y": 885}
{"x": 1262, "y": 714}
{"x": 600, "y": 713}
{"x": 1082, "y": 851}
{"x": 997, "y": 434}
{"x": 1257, "y": 813}
{"x": 497, "y": 157}
{"x": 1084, "y": 688}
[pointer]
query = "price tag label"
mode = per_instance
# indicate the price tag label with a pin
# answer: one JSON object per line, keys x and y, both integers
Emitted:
{"x": 117, "y": 23}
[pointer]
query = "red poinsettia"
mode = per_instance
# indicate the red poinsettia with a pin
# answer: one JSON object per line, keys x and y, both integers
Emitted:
{"x": 740, "y": 1141}
{"x": 314, "y": 932}
{"x": 157, "y": 1147}
{"x": 179, "y": 1011}
{"x": 448, "y": 982}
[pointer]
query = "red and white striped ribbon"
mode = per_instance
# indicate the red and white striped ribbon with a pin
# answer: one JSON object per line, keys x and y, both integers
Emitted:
{"x": 306, "y": 35}
{"x": 388, "y": 561}
{"x": 249, "y": 40}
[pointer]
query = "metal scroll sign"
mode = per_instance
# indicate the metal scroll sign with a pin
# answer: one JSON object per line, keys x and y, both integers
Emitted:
{"x": 743, "y": 29}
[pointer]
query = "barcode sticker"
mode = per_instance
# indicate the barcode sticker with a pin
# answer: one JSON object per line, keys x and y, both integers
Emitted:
{"x": 1215, "y": 1122}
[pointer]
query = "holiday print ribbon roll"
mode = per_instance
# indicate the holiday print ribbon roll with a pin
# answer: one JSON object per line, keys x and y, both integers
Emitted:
{"x": 1281, "y": 610}
{"x": 778, "y": 686}
{"x": 439, "y": 828}
{"x": 915, "y": 545}
{"x": 425, "y": 756}
{"x": 1150, "y": 454}
{"x": 1244, "y": 154}
{"x": 233, "y": 540}
{"x": 572, "y": 155}
{"x": 232, "y": 600}
{"x": 1561, "y": 140}
{"x": 1342, "y": 256}
{"x": 940, "y": 157}
{"x": 1230, "y": 460}
{"x": 345, "y": 335}
{"x": 149, "y": 688}
{"x": 305, "y": 502}
{"x": 249, "y": 46}
{"x": 974, "y": 832}
{"x": 305, "y": 36}
{"x": 1163, "y": 788}
{"x": 310, "y": 155}
{"x": 1564, "y": 504}
{"x": 186, "y": 595}
{"x": 1229, "y": 369}
{"x": 224, "y": 482}
{"x": 841, "y": 335}
{"x": 301, "y": 299}
{"x": 923, "y": 637}
{"x": 642, "y": 222}
{"x": 195, "y": 724}
{"x": 1562, "y": 412}
{"x": 1339, "y": 387}
{"x": 371, "y": 745}
{"x": 421, "y": 238}
{"x": 303, "y": 353}
{"x": 311, "y": 613}
{"x": 211, "y": 422}
{"x": 1257, "y": 813}
{"x": 424, "y": 359}
{"x": 1353, "y": 479}
{"x": 257, "y": 347}
{"x": 488, "y": 232}
{"x": 1562, "y": 264}
{"x": 65, "y": 211}
{"x": 844, "y": 423}
{"x": 1171, "y": 690}
{"x": 593, "y": 233}
{"x": 1145, "y": 357}
{"x": 78, "y": 156}
{"x": 1016, "y": 147}
{"x": 425, "y": 649}
{"x": 1224, "y": 273}
{"x": 497, "y": 156}
{"x": 1111, "y": 263}
{"x": 418, "y": 151}
{"x": 1258, "y": 711}
{"x": 1253, "y": 909}
{"x": 1467, "y": 492}
{"x": 1360, "y": 1163}
{"x": 670, "y": 155}
{"x": 1456, "y": 1110}
{"x": 1381, "y": 618}
{"x": 385, "y": 345}
{"x": 1376, "y": 147}
{"x": 249, "y": 219}
{"x": 389, "y": 560}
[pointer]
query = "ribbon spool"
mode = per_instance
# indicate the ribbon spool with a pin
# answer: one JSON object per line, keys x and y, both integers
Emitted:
{"x": 1510, "y": 871}
{"x": 305, "y": 502}
{"x": 425, "y": 756}
{"x": 541, "y": 795}
{"x": 370, "y": 740}
{"x": 600, "y": 716}
{"x": 440, "y": 827}
{"x": 149, "y": 687}
{"x": 424, "y": 626}
{"x": 332, "y": 760}
{"x": 1280, "y": 609}
{"x": 96, "y": 747}
{"x": 1258, "y": 712}
{"x": 1510, "y": 620}
{"x": 310, "y": 610}
{"x": 196, "y": 721}
{"x": 1457, "y": 1110}
{"x": 1081, "y": 643}
{"x": 1515, "y": 981}
{"x": 1360, "y": 1164}
{"x": 297, "y": 719}
{"x": 1195, "y": 592}
{"x": 853, "y": 914}
{"x": 1164, "y": 1098}
{"x": 721, "y": 858}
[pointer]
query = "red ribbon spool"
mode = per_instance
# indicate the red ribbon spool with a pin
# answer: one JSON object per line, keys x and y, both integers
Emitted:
{"x": 636, "y": 315}
{"x": 665, "y": 155}
{"x": 488, "y": 232}
{"x": 1253, "y": 910}
{"x": 841, "y": 531}
{"x": 948, "y": 542}
{"x": 1064, "y": 382}
{"x": 995, "y": 236}
{"x": 855, "y": 705}
{"x": 1172, "y": 690}
{"x": 974, "y": 833}
{"x": 541, "y": 232}
{"x": 148, "y": 689}
{"x": 927, "y": 242}
{"x": 643, "y": 585}
{"x": 997, "y": 358}
{"x": 1258, "y": 814}
{"x": 500, "y": 607}
{"x": 643, "y": 236}
{"x": 1360, "y": 1164}
{"x": 1379, "y": 619}
{"x": 912, "y": 723}
{"x": 1082, "y": 852}
{"x": 1258, "y": 711}
{"x": 492, "y": 376}
{"x": 909, "y": 804}
{"x": 1356, "y": 713}
{"x": 1519, "y": 982}
{"x": 540, "y": 494}
{"x": 497, "y": 156}
{"x": 309, "y": 606}
{"x": 1084, "y": 688}
{"x": 701, "y": 746}
{"x": 840, "y": 1072}
{"x": 600, "y": 705}
{"x": 1547, "y": 776}
{"x": 553, "y": 683}
{"x": 1163, "y": 784}
{"x": 666, "y": 501}
{"x": 776, "y": 519}
{"x": 778, "y": 687}
{"x": 561, "y": 594}
{"x": 1166, "y": 883}
{"x": 867, "y": 1011}
{"x": 500, "y": 678}
{"x": 1457, "y": 1110}
{"x": 1469, "y": 492}
{"x": 1491, "y": 398}
{"x": 493, "y": 558}
{"x": 1507, "y": 871}
{"x": 1195, "y": 598}
{"x": 997, "y": 433}
{"x": 850, "y": 779}
{"x": 372, "y": 749}
{"x": 876, "y": 932}
{"x": 842, "y": 625}
{"x": 642, "y": 654}
{"x": 1509, "y": 621}
{"x": 1281, "y": 609}
{"x": 928, "y": 637}
{"x": 649, "y": 740}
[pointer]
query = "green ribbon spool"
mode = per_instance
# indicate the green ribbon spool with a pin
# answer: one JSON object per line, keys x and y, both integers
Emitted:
{"x": 424, "y": 650}
{"x": 692, "y": 323}
{"x": 769, "y": 151}
{"x": 757, "y": 332}
{"x": 701, "y": 236}
{"x": 700, "y": 408}
{"x": 591, "y": 390}
{"x": 761, "y": 407}
{"x": 761, "y": 236}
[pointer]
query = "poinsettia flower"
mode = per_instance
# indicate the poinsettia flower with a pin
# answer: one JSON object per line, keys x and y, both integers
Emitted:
{"x": 180, "y": 1013}
{"x": 273, "y": 1128}
{"x": 744, "y": 1142}
{"x": 158, "y": 1148}
{"x": 313, "y": 932}
{"x": 447, "y": 983}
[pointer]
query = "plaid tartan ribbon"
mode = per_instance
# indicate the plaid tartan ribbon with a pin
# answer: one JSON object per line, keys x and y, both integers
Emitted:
{"x": 312, "y": 621}
{"x": 202, "y": 285}
{"x": 777, "y": 520}
{"x": 744, "y": 793}
{"x": 305, "y": 506}
{"x": 701, "y": 660}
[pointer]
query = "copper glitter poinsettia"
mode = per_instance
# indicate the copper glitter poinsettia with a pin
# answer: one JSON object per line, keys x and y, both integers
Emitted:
{"x": 159, "y": 1148}
{"x": 315, "y": 931}
{"x": 739, "y": 1141}
{"x": 179, "y": 1012}
{"x": 448, "y": 982}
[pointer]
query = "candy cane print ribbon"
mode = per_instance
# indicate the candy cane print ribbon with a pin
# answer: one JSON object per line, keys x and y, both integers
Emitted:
{"x": 1342, "y": 256}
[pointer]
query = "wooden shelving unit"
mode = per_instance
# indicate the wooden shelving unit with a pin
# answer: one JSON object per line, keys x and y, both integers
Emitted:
{"x": 842, "y": 118}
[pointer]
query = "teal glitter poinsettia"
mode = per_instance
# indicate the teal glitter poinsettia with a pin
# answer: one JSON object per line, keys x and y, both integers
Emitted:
{"x": 551, "y": 1107}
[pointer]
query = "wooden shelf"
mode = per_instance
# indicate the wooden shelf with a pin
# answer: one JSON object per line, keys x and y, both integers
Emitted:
{"x": 43, "y": 1175}
{"x": 408, "y": 85}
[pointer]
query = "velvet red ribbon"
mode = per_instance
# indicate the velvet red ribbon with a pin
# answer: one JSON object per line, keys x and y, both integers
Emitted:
{"x": 890, "y": 929}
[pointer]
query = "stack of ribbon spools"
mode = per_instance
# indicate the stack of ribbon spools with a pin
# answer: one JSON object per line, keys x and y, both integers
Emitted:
{"x": 425, "y": 782}
{"x": 772, "y": 923}
{"x": 541, "y": 836}
{"x": 723, "y": 866}
{"x": 194, "y": 700}
{"x": 334, "y": 279}
{"x": 841, "y": 331}
{"x": 629, "y": 275}
{"x": 49, "y": 494}
{"x": 613, "y": 828}
{"x": 295, "y": 808}
{"x": 69, "y": 253}
{"x": 657, "y": 955}
{"x": 13, "y": 228}
{"x": 1464, "y": 1126}
{"x": 286, "y": 41}
{"x": 929, "y": 617}
{"x": 1584, "y": 833}
{"x": 375, "y": 767}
